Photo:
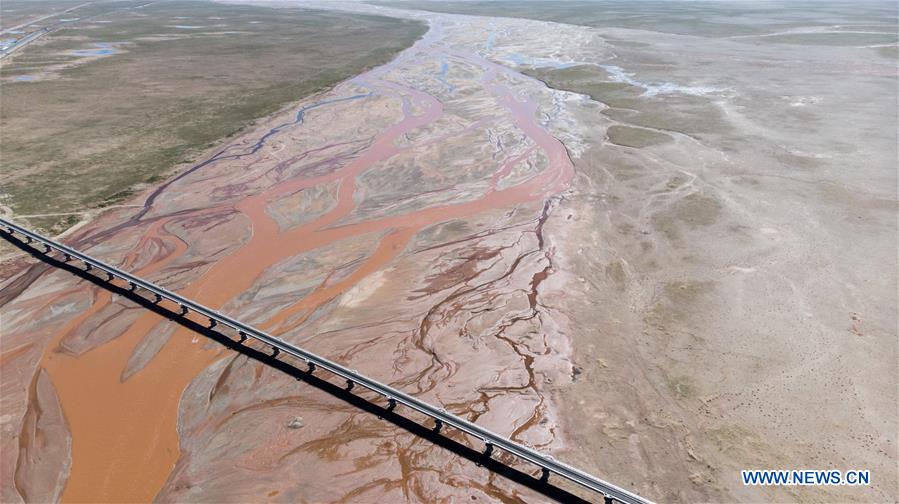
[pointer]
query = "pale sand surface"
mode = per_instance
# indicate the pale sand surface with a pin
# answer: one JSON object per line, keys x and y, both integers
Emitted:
{"x": 661, "y": 315}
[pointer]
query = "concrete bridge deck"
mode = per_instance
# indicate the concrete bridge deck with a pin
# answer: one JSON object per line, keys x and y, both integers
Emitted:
{"x": 393, "y": 397}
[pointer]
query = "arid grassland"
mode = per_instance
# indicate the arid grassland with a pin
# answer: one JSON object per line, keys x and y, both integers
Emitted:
{"x": 95, "y": 110}
{"x": 16, "y": 12}
{"x": 702, "y": 18}
{"x": 652, "y": 240}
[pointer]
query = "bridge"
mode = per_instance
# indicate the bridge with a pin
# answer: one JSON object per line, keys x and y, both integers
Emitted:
{"x": 393, "y": 397}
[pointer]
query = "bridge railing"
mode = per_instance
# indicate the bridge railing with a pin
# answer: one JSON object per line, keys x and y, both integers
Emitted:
{"x": 491, "y": 440}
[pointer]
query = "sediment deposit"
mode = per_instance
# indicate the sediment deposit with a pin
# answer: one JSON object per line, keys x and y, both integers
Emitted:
{"x": 463, "y": 223}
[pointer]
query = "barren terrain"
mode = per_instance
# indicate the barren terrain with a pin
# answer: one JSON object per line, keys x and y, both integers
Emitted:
{"x": 120, "y": 95}
{"x": 660, "y": 256}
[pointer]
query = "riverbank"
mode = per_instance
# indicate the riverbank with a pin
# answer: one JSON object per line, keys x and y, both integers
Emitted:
{"x": 120, "y": 99}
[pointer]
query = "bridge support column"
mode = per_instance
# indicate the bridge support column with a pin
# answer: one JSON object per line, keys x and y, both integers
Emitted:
{"x": 109, "y": 277}
{"x": 311, "y": 368}
{"x": 183, "y": 310}
{"x": 28, "y": 239}
{"x": 349, "y": 385}
{"x": 158, "y": 298}
{"x": 544, "y": 475}
{"x": 391, "y": 404}
{"x": 47, "y": 249}
{"x": 488, "y": 449}
{"x": 68, "y": 257}
{"x": 438, "y": 424}
{"x": 212, "y": 323}
{"x": 275, "y": 351}
{"x": 607, "y": 499}
{"x": 132, "y": 286}
{"x": 243, "y": 336}
{"x": 88, "y": 267}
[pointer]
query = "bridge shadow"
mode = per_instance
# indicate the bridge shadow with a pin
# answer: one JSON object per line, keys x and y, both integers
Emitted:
{"x": 535, "y": 483}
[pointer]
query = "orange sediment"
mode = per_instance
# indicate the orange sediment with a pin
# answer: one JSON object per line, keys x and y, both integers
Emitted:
{"x": 124, "y": 434}
{"x": 109, "y": 420}
{"x": 119, "y": 426}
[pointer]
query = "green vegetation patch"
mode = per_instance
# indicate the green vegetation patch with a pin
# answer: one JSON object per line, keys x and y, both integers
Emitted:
{"x": 682, "y": 387}
{"x": 636, "y": 137}
{"x": 691, "y": 115}
{"x": 891, "y": 52}
{"x": 86, "y": 132}
{"x": 591, "y": 81}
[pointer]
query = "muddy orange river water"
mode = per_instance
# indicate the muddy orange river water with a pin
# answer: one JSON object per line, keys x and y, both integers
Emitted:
{"x": 124, "y": 432}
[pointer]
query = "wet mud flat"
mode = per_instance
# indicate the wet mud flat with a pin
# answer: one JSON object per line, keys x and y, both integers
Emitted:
{"x": 726, "y": 254}
{"x": 534, "y": 231}
{"x": 116, "y": 387}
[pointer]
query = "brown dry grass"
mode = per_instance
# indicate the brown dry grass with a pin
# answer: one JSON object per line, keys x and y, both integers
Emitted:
{"x": 88, "y": 131}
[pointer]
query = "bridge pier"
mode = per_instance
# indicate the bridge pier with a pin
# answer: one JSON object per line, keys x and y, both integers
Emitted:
{"x": 47, "y": 249}
{"x": 544, "y": 475}
{"x": 87, "y": 266}
{"x": 183, "y": 310}
{"x": 243, "y": 336}
{"x": 212, "y": 323}
{"x": 391, "y": 404}
{"x": 438, "y": 424}
{"x": 132, "y": 286}
{"x": 349, "y": 385}
{"x": 109, "y": 277}
{"x": 488, "y": 448}
{"x": 158, "y": 298}
{"x": 311, "y": 368}
{"x": 68, "y": 257}
{"x": 275, "y": 351}
{"x": 607, "y": 499}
